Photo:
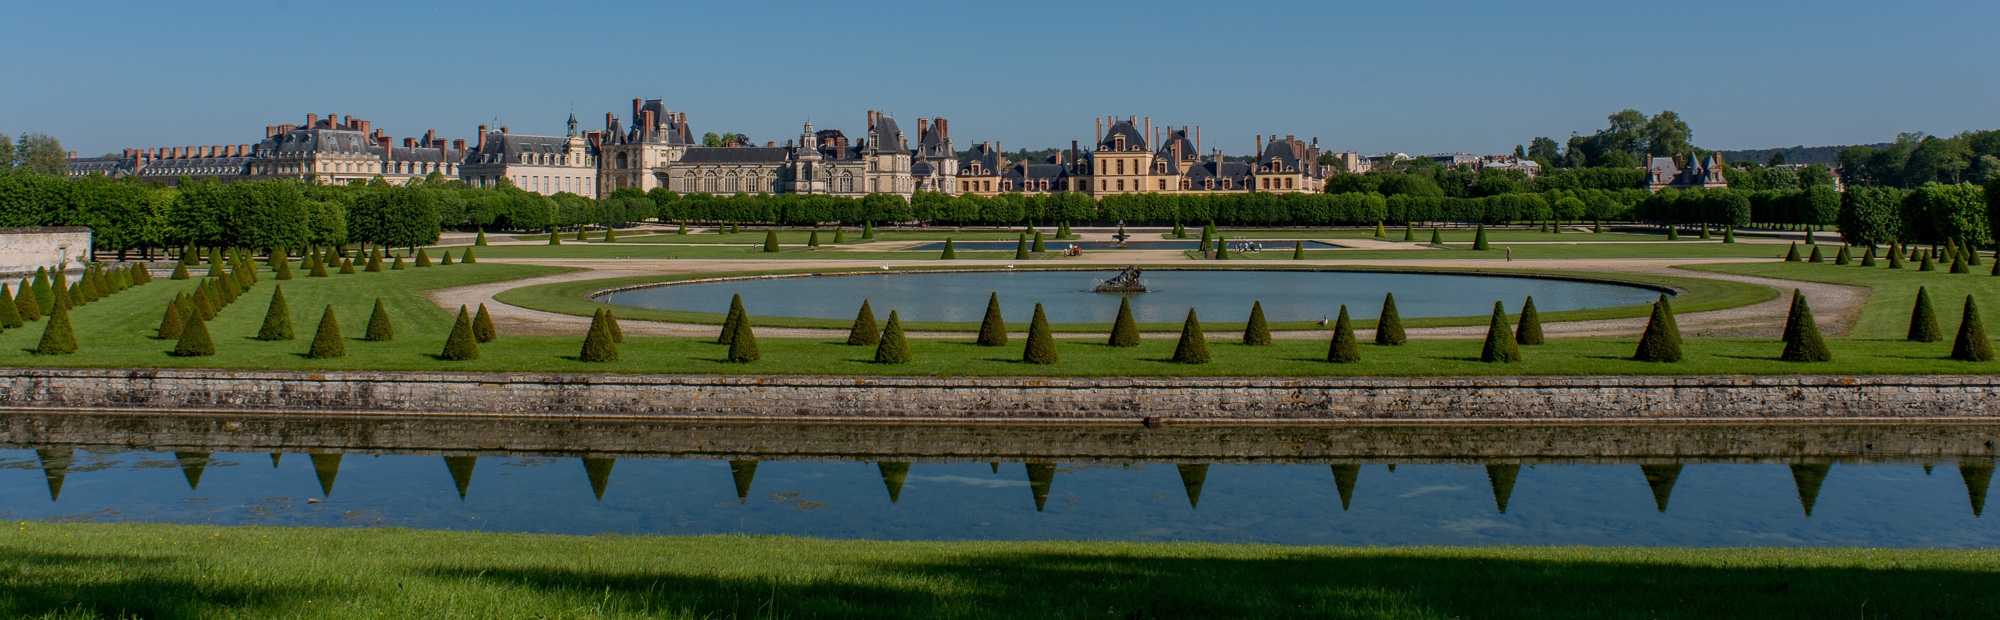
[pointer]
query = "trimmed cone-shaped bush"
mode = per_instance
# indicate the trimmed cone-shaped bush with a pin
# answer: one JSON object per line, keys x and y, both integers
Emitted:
{"x": 1021, "y": 248}
{"x": 1729, "y": 235}
{"x": 868, "y": 230}
{"x": 1500, "y": 345}
{"x": 1792, "y": 255}
{"x": 10, "y": 313}
{"x": 379, "y": 329}
{"x": 1809, "y": 238}
{"x": 57, "y": 337}
{"x": 950, "y": 253}
{"x": 1529, "y": 329}
{"x": 1972, "y": 345}
{"x": 1895, "y": 257}
{"x": 1802, "y": 340}
{"x": 732, "y": 228}
{"x": 170, "y": 323}
{"x": 1380, "y": 232}
{"x": 1409, "y": 232}
{"x": 327, "y": 342}
{"x": 460, "y": 345}
{"x": 1479, "y": 238}
{"x": 469, "y": 258}
{"x": 770, "y": 241}
{"x": 598, "y": 345}
{"x": 892, "y": 347}
{"x": 1298, "y": 250}
{"x": 743, "y": 343}
{"x": 445, "y": 260}
{"x": 611, "y": 325}
{"x": 992, "y": 329}
{"x": 864, "y": 332}
{"x": 1868, "y": 257}
{"x": 1193, "y": 347}
{"x": 1344, "y": 349}
{"x": 1815, "y": 258}
{"x": 1038, "y": 247}
{"x": 1062, "y": 230}
{"x": 1437, "y": 237}
{"x": 423, "y": 258}
{"x": 1389, "y": 326}
{"x": 277, "y": 318}
{"x": 200, "y": 304}
{"x": 1041, "y": 343}
{"x": 581, "y": 233}
{"x": 611, "y": 235}
{"x": 374, "y": 261}
{"x": 1958, "y": 264}
{"x": 1926, "y": 264}
{"x": 729, "y": 322}
{"x": 284, "y": 269}
{"x": 44, "y": 291}
{"x": 194, "y": 340}
{"x": 1842, "y": 257}
{"x": 839, "y": 235}
{"x": 1971, "y": 255}
{"x": 1256, "y": 331}
{"x": 1673, "y": 233}
{"x": 1923, "y": 320}
{"x": 1124, "y": 330}
{"x": 482, "y": 326}
{"x": 25, "y": 305}
{"x": 347, "y": 265}
{"x": 398, "y": 264}
{"x": 180, "y": 272}
{"x": 813, "y": 240}
{"x": 1662, "y": 340}
{"x": 481, "y": 240}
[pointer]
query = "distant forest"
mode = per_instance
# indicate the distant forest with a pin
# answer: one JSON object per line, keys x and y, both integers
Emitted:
{"x": 1829, "y": 155}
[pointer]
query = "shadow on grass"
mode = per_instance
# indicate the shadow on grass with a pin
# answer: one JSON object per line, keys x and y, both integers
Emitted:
{"x": 138, "y": 587}
{"x": 1412, "y": 583}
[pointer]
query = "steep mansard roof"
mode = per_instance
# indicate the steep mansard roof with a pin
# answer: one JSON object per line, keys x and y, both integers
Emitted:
{"x": 889, "y": 138}
{"x": 1134, "y": 140}
{"x": 735, "y": 154}
{"x": 508, "y": 147}
{"x": 989, "y": 159}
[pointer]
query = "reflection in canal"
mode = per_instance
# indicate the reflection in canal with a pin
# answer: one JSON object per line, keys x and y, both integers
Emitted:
{"x": 1618, "y": 484}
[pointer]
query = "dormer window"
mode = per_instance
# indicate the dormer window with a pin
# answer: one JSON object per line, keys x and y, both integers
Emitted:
{"x": 1118, "y": 143}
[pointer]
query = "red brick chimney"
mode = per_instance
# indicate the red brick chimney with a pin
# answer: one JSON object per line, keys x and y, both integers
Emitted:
{"x": 503, "y": 129}
{"x": 385, "y": 142}
{"x": 311, "y": 119}
{"x": 270, "y": 130}
{"x": 365, "y": 126}
{"x": 635, "y": 108}
{"x": 458, "y": 145}
{"x": 482, "y": 137}
{"x": 409, "y": 143}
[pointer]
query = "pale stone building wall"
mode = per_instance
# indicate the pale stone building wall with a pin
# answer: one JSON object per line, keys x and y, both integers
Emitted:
{"x": 24, "y": 249}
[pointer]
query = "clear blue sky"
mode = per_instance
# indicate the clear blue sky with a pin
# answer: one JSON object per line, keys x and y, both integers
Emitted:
{"x": 1416, "y": 77}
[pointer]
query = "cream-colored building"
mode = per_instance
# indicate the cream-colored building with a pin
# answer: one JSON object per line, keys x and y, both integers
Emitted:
{"x": 659, "y": 150}
{"x": 546, "y": 165}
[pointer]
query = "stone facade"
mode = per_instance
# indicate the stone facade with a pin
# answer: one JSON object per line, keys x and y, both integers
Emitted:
{"x": 24, "y": 249}
{"x": 1012, "y": 398}
{"x": 546, "y": 165}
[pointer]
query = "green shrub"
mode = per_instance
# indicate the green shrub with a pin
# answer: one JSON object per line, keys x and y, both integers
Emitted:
{"x": 729, "y": 322}
{"x": 57, "y": 337}
{"x": 1038, "y": 247}
{"x": 1382, "y": 233}
{"x": 24, "y": 304}
{"x": 1704, "y": 232}
{"x": 771, "y": 241}
{"x": 194, "y": 340}
{"x": 611, "y": 235}
{"x": 327, "y": 342}
{"x": 839, "y": 235}
{"x": 555, "y": 236}
{"x": 1842, "y": 257}
{"x": 1809, "y": 238}
{"x": 864, "y": 332}
{"x": 1597, "y": 227}
{"x": 1062, "y": 230}
{"x": 1662, "y": 340}
{"x": 379, "y": 329}
{"x": 743, "y": 343}
{"x": 277, "y": 318}
{"x": 44, "y": 289}
{"x": 1124, "y": 330}
{"x": 1344, "y": 349}
{"x": 398, "y": 264}
{"x": 950, "y": 253}
{"x": 1021, "y": 247}
{"x": 1958, "y": 264}
{"x": 1500, "y": 345}
{"x": 1926, "y": 264}
{"x": 201, "y": 304}
{"x": 598, "y": 345}
{"x": 215, "y": 262}
{"x": 732, "y": 228}
{"x": 180, "y": 272}
{"x": 1437, "y": 237}
{"x": 170, "y": 323}
{"x": 1193, "y": 347}
{"x": 992, "y": 329}
{"x": 1815, "y": 258}
{"x": 1389, "y": 326}
{"x": 374, "y": 261}
{"x": 1409, "y": 232}
{"x": 347, "y": 265}
{"x": 284, "y": 270}
{"x": 1792, "y": 255}
{"x": 1041, "y": 344}
{"x": 10, "y": 313}
{"x": 1971, "y": 256}
{"x": 1673, "y": 233}
{"x": 460, "y": 345}
{"x": 1802, "y": 340}
{"x": 482, "y": 326}
{"x": 1479, "y": 238}
{"x": 86, "y": 285}
{"x": 891, "y": 347}
{"x": 611, "y": 325}
{"x": 1923, "y": 319}
{"x": 1895, "y": 257}
{"x": 481, "y": 240}
{"x": 1256, "y": 331}
{"x": 1728, "y": 235}
{"x": 813, "y": 240}
{"x": 868, "y": 230}
{"x": 423, "y": 258}
{"x": 1868, "y": 257}
{"x": 1529, "y": 330}
{"x": 1298, "y": 250}
{"x": 1207, "y": 237}
{"x": 445, "y": 260}
{"x": 1972, "y": 345}
{"x": 582, "y": 233}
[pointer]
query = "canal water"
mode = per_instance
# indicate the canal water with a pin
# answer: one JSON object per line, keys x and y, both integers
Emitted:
{"x": 1582, "y": 486}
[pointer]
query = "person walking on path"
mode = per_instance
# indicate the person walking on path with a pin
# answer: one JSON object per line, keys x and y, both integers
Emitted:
{"x": 1510, "y": 253}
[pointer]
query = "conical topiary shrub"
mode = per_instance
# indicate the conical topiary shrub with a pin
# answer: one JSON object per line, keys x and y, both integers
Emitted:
{"x": 460, "y": 345}
{"x": 284, "y": 269}
{"x": 1809, "y": 238}
{"x": 1062, "y": 230}
{"x": 1972, "y": 345}
{"x": 397, "y": 265}
{"x": 1923, "y": 319}
{"x": 733, "y": 229}
{"x": 1971, "y": 255}
{"x": 598, "y": 345}
{"x": 1193, "y": 347}
{"x": 813, "y": 240}
{"x": 1389, "y": 326}
{"x": 1021, "y": 248}
{"x": 1958, "y": 264}
{"x": 379, "y": 329}
{"x": 1298, "y": 250}
{"x": 1802, "y": 340}
{"x": 1380, "y": 232}
{"x": 469, "y": 259}
{"x": 1868, "y": 257}
{"x": 1409, "y": 232}
{"x": 423, "y": 258}
{"x": 1437, "y": 237}
{"x": 864, "y": 332}
{"x": 950, "y": 253}
{"x": 10, "y": 312}
{"x": 1815, "y": 257}
{"x": 327, "y": 342}
{"x": 892, "y": 347}
{"x": 199, "y": 304}
{"x": 24, "y": 304}
{"x": 1729, "y": 235}
{"x": 57, "y": 337}
{"x": 743, "y": 343}
{"x": 868, "y": 230}
{"x": 482, "y": 326}
{"x": 1256, "y": 331}
{"x": 1529, "y": 329}
{"x": 1842, "y": 257}
{"x": 839, "y": 235}
{"x": 194, "y": 340}
{"x": 1662, "y": 340}
{"x": 180, "y": 272}
{"x": 445, "y": 259}
{"x": 170, "y": 323}
{"x": 611, "y": 235}
{"x": 1926, "y": 264}
{"x": 1479, "y": 238}
{"x": 374, "y": 261}
{"x": 1500, "y": 345}
{"x": 1792, "y": 255}
{"x": 992, "y": 330}
{"x": 1344, "y": 349}
{"x": 481, "y": 239}
{"x": 1895, "y": 257}
{"x": 346, "y": 265}
{"x": 1124, "y": 330}
{"x": 729, "y": 321}
{"x": 611, "y": 325}
{"x": 770, "y": 241}
{"x": 1038, "y": 247}
{"x": 277, "y": 318}
{"x": 1673, "y": 233}
{"x": 1041, "y": 344}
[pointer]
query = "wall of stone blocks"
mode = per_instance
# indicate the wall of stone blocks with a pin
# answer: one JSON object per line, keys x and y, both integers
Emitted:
{"x": 24, "y": 249}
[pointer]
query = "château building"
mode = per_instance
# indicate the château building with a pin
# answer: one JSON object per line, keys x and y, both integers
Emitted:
{"x": 660, "y": 151}
{"x": 1131, "y": 158}
{"x": 546, "y": 165}
{"x": 1685, "y": 172}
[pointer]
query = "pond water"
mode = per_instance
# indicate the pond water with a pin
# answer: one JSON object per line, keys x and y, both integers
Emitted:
{"x": 1054, "y": 246}
{"x": 1729, "y": 497}
{"x": 1218, "y": 295}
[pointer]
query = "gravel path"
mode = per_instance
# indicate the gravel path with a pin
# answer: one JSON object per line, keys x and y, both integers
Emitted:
{"x": 1834, "y": 306}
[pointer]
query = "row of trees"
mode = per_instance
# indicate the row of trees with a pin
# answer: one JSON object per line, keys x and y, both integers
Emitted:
{"x": 33, "y": 153}
{"x": 1915, "y": 159}
{"x": 1627, "y": 140}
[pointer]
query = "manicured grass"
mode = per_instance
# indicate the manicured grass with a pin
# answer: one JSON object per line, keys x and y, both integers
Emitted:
{"x": 1887, "y": 314}
{"x": 1498, "y": 250}
{"x": 662, "y": 251}
{"x": 1450, "y": 235}
{"x": 89, "y": 571}
{"x": 570, "y": 298}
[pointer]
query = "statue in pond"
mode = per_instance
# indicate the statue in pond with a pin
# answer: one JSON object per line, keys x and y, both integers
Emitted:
{"x": 1126, "y": 281}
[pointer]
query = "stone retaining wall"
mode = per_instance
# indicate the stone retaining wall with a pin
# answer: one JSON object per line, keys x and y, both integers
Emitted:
{"x": 24, "y": 249}
{"x": 1013, "y": 398}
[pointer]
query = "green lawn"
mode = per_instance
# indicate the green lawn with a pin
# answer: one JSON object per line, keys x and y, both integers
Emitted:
{"x": 1887, "y": 314}
{"x": 89, "y": 571}
{"x": 1450, "y": 235}
{"x": 1540, "y": 250}
{"x": 746, "y": 251}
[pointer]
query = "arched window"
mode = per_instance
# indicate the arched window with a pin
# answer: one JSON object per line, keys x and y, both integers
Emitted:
{"x": 621, "y": 160}
{"x": 687, "y": 181}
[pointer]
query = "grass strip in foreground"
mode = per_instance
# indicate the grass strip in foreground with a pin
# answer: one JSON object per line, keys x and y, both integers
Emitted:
{"x": 87, "y": 571}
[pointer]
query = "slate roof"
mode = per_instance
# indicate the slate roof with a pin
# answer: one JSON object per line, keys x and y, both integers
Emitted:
{"x": 1280, "y": 153}
{"x": 425, "y": 155}
{"x": 1134, "y": 140}
{"x": 888, "y": 136}
{"x": 735, "y": 154}
{"x": 508, "y": 147}
{"x": 989, "y": 160}
{"x": 922, "y": 169}
{"x": 300, "y": 142}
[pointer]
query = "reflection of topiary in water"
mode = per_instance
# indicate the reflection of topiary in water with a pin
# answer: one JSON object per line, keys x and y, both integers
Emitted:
{"x": 1041, "y": 344}
{"x": 892, "y": 348}
{"x": 1344, "y": 349}
{"x": 1193, "y": 347}
{"x": 864, "y": 332}
{"x": 1256, "y": 331}
{"x": 992, "y": 330}
{"x": 1124, "y": 330}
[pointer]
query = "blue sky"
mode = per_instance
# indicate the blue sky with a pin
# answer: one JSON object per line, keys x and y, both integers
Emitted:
{"x": 1416, "y": 77}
